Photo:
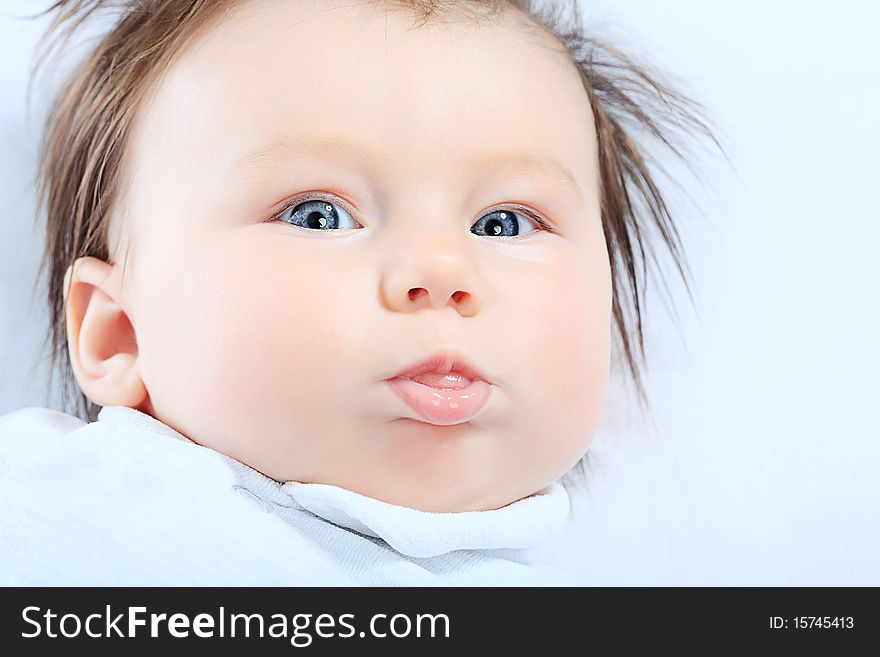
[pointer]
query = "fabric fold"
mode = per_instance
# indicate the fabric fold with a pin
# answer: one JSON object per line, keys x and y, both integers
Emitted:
{"x": 416, "y": 533}
{"x": 412, "y": 532}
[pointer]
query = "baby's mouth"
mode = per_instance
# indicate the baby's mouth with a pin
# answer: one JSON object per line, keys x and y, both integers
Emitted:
{"x": 450, "y": 381}
{"x": 442, "y": 406}
{"x": 443, "y": 388}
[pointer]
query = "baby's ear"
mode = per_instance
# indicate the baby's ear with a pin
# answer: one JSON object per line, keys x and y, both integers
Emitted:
{"x": 100, "y": 338}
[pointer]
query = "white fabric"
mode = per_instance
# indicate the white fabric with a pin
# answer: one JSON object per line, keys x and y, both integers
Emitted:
{"x": 127, "y": 500}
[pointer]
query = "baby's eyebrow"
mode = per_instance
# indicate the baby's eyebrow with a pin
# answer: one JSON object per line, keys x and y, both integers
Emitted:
{"x": 277, "y": 152}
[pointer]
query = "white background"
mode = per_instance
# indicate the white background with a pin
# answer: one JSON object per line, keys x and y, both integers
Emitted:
{"x": 760, "y": 465}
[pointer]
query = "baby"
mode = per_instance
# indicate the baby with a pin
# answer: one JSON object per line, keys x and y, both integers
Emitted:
{"x": 391, "y": 402}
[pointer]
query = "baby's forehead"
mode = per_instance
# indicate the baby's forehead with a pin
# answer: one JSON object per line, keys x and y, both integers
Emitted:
{"x": 425, "y": 96}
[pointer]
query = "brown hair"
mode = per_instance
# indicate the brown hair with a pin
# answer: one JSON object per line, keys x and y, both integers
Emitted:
{"x": 89, "y": 123}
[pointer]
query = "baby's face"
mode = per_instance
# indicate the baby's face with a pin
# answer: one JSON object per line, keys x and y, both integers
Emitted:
{"x": 271, "y": 341}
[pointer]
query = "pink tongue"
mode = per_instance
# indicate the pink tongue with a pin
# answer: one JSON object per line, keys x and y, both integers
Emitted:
{"x": 449, "y": 381}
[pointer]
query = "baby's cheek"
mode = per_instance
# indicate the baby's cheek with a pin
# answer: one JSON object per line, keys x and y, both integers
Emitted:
{"x": 249, "y": 364}
{"x": 277, "y": 350}
{"x": 574, "y": 353}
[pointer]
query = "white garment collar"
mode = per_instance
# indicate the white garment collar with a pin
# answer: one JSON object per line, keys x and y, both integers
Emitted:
{"x": 521, "y": 524}
{"x": 417, "y": 533}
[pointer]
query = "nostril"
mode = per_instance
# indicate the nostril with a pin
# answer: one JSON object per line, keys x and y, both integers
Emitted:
{"x": 416, "y": 292}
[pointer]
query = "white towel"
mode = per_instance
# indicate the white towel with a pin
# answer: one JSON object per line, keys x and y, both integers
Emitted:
{"x": 127, "y": 500}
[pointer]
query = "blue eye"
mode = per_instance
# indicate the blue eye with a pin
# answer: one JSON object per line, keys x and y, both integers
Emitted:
{"x": 499, "y": 222}
{"x": 321, "y": 214}
{"x": 316, "y": 214}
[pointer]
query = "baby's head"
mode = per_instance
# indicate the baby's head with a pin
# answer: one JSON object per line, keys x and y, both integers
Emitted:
{"x": 468, "y": 168}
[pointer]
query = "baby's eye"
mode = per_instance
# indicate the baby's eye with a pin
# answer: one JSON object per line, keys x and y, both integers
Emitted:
{"x": 322, "y": 214}
{"x": 318, "y": 214}
{"x": 499, "y": 222}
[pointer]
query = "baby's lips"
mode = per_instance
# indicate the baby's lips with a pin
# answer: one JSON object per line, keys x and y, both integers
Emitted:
{"x": 451, "y": 381}
{"x": 439, "y": 406}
